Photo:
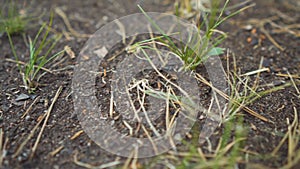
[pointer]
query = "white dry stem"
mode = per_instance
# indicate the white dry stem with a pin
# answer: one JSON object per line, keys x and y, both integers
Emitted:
{"x": 131, "y": 102}
{"x": 151, "y": 140}
{"x": 129, "y": 127}
{"x": 167, "y": 118}
{"x": 145, "y": 112}
{"x": 111, "y": 105}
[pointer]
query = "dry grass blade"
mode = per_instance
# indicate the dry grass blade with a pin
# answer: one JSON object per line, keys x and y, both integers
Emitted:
{"x": 131, "y": 102}
{"x": 150, "y": 139}
{"x": 293, "y": 132}
{"x": 256, "y": 82}
{"x": 2, "y": 146}
{"x": 294, "y": 84}
{"x": 129, "y": 127}
{"x": 294, "y": 163}
{"x": 89, "y": 166}
{"x": 77, "y": 134}
{"x": 127, "y": 162}
{"x": 141, "y": 102}
{"x": 248, "y": 110}
{"x": 292, "y": 137}
{"x": 286, "y": 75}
{"x": 288, "y": 134}
{"x": 261, "y": 24}
{"x": 256, "y": 72}
{"x": 1, "y": 142}
{"x": 30, "y": 107}
{"x": 20, "y": 148}
{"x": 57, "y": 150}
{"x": 271, "y": 38}
{"x": 23, "y": 63}
{"x": 45, "y": 121}
{"x": 132, "y": 160}
{"x": 68, "y": 24}
{"x": 167, "y": 118}
{"x": 201, "y": 154}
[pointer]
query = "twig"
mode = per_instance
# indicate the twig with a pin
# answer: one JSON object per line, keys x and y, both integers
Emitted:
{"x": 45, "y": 121}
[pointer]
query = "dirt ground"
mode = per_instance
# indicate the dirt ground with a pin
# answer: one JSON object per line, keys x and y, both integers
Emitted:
{"x": 251, "y": 36}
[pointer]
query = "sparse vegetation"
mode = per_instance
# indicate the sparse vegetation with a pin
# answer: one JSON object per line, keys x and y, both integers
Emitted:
{"x": 11, "y": 19}
{"x": 227, "y": 153}
{"x": 200, "y": 48}
{"x": 243, "y": 92}
{"x": 258, "y": 127}
{"x": 40, "y": 53}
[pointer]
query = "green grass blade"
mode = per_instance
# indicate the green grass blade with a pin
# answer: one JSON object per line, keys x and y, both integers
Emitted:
{"x": 13, "y": 50}
{"x": 42, "y": 44}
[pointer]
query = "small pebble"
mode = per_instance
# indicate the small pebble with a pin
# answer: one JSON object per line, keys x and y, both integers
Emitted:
{"x": 177, "y": 137}
{"x": 254, "y": 41}
{"x": 266, "y": 63}
{"x": 278, "y": 82}
{"x": 22, "y": 97}
{"x": 248, "y": 27}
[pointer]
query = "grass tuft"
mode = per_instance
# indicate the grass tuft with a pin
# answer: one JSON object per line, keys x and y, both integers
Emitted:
{"x": 40, "y": 53}
{"x": 205, "y": 46}
{"x": 11, "y": 19}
